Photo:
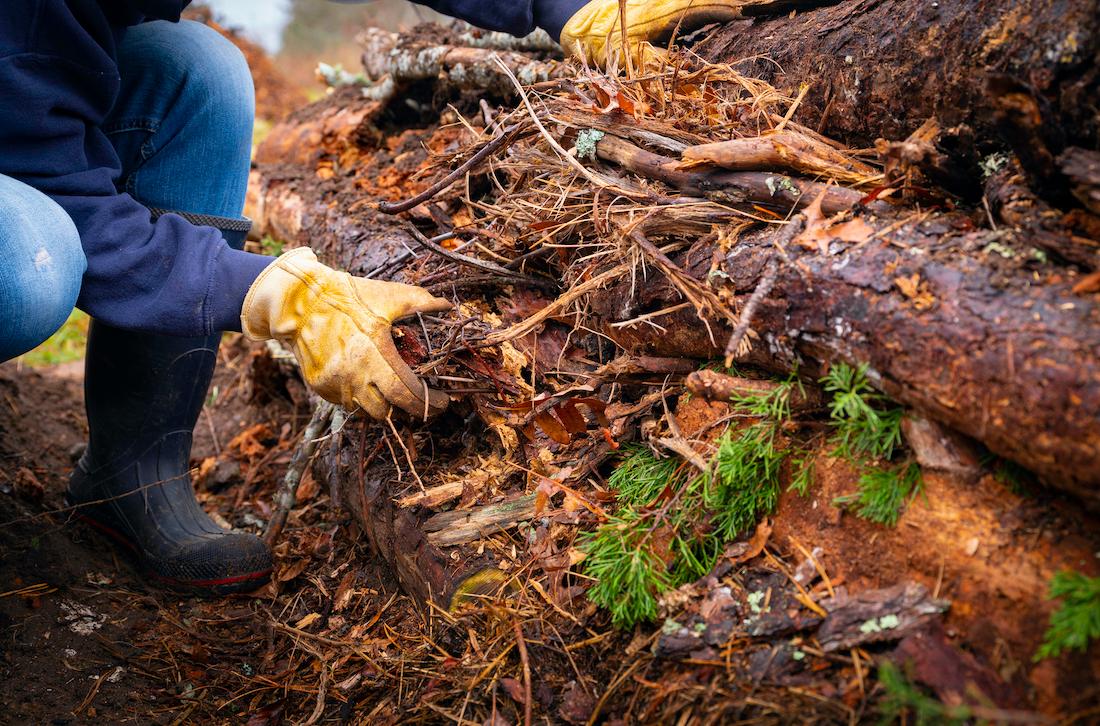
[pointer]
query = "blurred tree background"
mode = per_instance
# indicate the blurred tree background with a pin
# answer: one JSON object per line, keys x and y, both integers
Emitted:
{"x": 319, "y": 30}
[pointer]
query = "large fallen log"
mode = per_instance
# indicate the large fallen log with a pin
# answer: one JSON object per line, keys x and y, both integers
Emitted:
{"x": 991, "y": 71}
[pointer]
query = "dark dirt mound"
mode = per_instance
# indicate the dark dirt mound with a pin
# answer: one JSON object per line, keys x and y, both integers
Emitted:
{"x": 84, "y": 640}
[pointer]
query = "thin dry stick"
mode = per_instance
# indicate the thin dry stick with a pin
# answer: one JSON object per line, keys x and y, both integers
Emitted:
{"x": 92, "y": 693}
{"x": 408, "y": 455}
{"x": 521, "y": 644}
{"x": 481, "y": 155}
{"x": 287, "y": 496}
{"x": 484, "y": 265}
{"x": 527, "y": 325}
{"x": 565, "y": 155}
{"x": 763, "y": 288}
{"x": 322, "y": 690}
{"x": 407, "y": 254}
{"x": 767, "y": 280}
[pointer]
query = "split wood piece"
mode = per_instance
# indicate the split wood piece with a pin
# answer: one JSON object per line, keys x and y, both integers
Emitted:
{"x": 714, "y": 386}
{"x": 433, "y": 497}
{"x": 460, "y": 526}
{"x": 776, "y": 190}
{"x": 1015, "y": 204}
{"x": 938, "y": 448}
{"x": 966, "y": 338}
{"x": 880, "y": 69}
{"x": 785, "y": 150}
{"x": 393, "y": 60}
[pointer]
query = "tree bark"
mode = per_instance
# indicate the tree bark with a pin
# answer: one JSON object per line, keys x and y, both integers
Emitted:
{"x": 989, "y": 70}
{"x": 946, "y": 324}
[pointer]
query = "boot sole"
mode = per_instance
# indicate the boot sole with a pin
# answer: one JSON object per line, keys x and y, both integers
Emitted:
{"x": 212, "y": 587}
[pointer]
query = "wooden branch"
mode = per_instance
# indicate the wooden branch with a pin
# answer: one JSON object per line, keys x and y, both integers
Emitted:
{"x": 402, "y": 60}
{"x": 776, "y": 190}
{"x": 785, "y": 150}
{"x": 490, "y": 267}
{"x": 875, "y": 616}
{"x": 287, "y": 495}
{"x": 483, "y": 153}
{"x": 1016, "y": 205}
{"x": 714, "y": 386}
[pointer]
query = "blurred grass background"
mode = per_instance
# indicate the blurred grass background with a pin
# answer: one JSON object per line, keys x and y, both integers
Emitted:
{"x": 64, "y": 346}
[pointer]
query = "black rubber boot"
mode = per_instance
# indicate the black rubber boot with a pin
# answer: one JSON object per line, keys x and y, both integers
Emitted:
{"x": 143, "y": 394}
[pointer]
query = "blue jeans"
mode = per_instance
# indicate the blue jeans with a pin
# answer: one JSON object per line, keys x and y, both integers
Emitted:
{"x": 182, "y": 128}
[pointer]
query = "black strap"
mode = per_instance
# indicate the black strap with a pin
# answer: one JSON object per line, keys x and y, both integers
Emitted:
{"x": 228, "y": 224}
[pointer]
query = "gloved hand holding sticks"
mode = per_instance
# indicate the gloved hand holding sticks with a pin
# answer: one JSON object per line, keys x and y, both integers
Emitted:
{"x": 338, "y": 327}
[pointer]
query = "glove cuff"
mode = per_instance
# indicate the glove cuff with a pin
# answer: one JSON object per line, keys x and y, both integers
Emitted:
{"x": 268, "y": 295}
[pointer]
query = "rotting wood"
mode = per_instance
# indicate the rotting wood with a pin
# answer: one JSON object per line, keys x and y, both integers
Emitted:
{"x": 1016, "y": 205}
{"x": 424, "y": 569}
{"x": 874, "y": 616}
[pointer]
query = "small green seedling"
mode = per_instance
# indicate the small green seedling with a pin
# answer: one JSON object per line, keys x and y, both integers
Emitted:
{"x": 883, "y": 493}
{"x": 865, "y": 428}
{"x": 1077, "y": 620}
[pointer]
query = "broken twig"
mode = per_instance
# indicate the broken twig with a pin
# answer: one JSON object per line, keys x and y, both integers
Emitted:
{"x": 287, "y": 495}
{"x": 458, "y": 173}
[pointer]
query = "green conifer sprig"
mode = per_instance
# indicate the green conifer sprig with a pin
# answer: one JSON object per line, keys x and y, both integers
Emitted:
{"x": 1077, "y": 621}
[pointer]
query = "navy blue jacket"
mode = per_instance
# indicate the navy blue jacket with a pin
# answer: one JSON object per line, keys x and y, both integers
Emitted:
{"x": 58, "y": 82}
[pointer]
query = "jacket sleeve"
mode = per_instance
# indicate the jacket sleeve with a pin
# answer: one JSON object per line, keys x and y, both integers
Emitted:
{"x": 518, "y": 17}
{"x": 165, "y": 276}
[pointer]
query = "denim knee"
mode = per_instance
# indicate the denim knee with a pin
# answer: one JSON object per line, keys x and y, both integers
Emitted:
{"x": 41, "y": 266}
{"x": 183, "y": 123}
{"x": 217, "y": 85}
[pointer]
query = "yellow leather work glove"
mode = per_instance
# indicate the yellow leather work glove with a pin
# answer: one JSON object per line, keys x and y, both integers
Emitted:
{"x": 594, "y": 33}
{"x": 338, "y": 327}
